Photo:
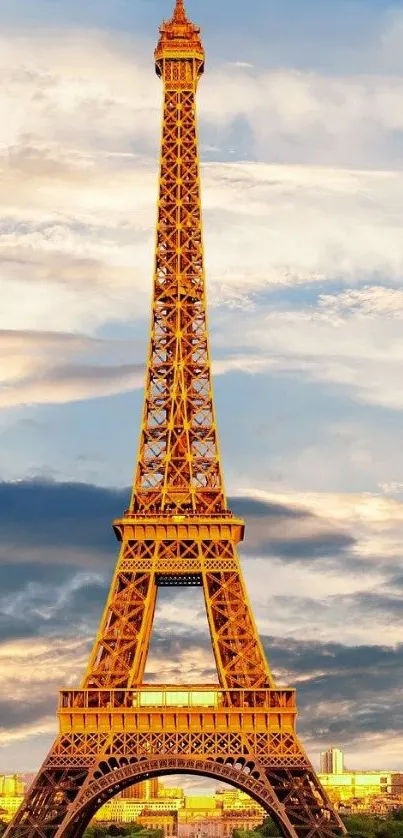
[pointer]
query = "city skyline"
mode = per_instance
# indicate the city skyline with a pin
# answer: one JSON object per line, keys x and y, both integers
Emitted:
{"x": 156, "y": 804}
{"x": 319, "y": 486}
{"x": 154, "y": 799}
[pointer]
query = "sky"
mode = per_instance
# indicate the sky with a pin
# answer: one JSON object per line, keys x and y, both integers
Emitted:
{"x": 301, "y": 141}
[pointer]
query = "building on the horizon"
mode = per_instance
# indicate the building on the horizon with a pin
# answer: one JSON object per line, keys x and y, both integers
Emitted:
{"x": 128, "y": 810}
{"x": 12, "y": 790}
{"x": 176, "y": 814}
{"x": 216, "y": 825}
{"x": 146, "y": 790}
{"x": 216, "y": 816}
{"x": 360, "y": 788}
{"x": 167, "y": 822}
{"x": 150, "y": 798}
{"x": 234, "y": 800}
{"x": 170, "y": 791}
{"x": 332, "y": 761}
{"x": 11, "y": 785}
{"x": 152, "y": 805}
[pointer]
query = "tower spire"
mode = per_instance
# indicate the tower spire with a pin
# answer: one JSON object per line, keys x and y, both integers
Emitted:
{"x": 179, "y": 15}
{"x": 179, "y": 37}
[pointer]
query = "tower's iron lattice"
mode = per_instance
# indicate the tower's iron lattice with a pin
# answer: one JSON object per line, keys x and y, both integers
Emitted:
{"x": 115, "y": 730}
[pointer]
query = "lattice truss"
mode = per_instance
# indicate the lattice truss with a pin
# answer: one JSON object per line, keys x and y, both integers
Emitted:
{"x": 120, "y": 652}
{"x": 178, "y": 466}
{"x": 279, "y": 748}
{"x": 177, "y": 484}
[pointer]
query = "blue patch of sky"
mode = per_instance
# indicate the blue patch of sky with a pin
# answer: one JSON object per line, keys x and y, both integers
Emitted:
{"x": 300, "y": 297}
{"x": 318, "y": 34}
{"x": 93, "y": 441}
{"x": 96, "y": 440}
{"x": 101, "y": 437}
{"x": 293, "y": 415}
{"x": 135, "y": 331}
{"x": 303, "y": 296}
{"x": 234, "y": 141}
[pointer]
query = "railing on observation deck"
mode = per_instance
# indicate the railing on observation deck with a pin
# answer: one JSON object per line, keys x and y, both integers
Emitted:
{"x": 150, "y": 697}
{"x": 173, "y": 514}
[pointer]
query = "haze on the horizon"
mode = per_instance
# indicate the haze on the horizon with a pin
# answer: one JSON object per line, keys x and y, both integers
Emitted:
{"x": 301, "y": 131}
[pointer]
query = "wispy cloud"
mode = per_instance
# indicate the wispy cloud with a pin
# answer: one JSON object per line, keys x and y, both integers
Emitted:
{"x": 55, "y": 367}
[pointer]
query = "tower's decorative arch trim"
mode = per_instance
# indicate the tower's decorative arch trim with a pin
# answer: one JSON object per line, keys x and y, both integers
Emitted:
{"x": 112, "y": 777}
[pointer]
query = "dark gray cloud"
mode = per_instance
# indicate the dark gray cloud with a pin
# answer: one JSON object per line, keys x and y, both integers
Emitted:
{"x": 14, "y": 714}
{"x": 13, "y": 627}
{"x": 292, "y": 534}
{"x": 301, "y": 657}
{"x": 56, "y": 562}
{"x": 77, "y": 515}
{"x": 58, "y": 551}
{"x": 44, "y": 514}
{"x": 325, "y": 545}
{"x": 13, "y": 576}
{"x": 248, "y": 507}
{"x": 45, "y": 600}
{"x": 344, "y": 692}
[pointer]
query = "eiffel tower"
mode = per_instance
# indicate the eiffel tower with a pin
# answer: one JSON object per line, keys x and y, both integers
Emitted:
{"x": 115, "y": 730}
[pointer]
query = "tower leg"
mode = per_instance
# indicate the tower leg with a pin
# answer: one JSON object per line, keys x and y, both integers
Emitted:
{"x": 305, "y": 803}
{"x": 47, "y": 803}
{"x": 237, "y": 648}
{"x": 120, "y": 650}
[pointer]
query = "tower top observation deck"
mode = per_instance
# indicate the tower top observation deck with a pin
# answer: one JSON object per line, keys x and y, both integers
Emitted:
{"x": 179, "y": 38}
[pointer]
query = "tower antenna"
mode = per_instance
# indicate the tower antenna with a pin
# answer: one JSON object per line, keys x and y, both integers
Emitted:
{"x": 179, "y": 15}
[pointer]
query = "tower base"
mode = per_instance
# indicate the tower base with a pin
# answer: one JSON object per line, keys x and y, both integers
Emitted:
{"x": 110, "y": 739}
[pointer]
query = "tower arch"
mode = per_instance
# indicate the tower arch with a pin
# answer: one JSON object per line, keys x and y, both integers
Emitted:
{"x": 114, "y": 775}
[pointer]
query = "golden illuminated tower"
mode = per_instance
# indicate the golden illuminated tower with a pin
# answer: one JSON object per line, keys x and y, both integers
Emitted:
{"x": 115, "y": 730}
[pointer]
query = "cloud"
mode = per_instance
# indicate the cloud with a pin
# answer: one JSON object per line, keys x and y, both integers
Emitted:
{"x": 348, "y": 695}
{"x": 292, "y": 113}
{"x": 293, "y": 534}
{"x": 314, "y": 549}
{"x": 69, "y": 383}
{"x": 79, "y": 182}
{"x": 350, "y": 340}
{"x": 366, "y": 302}
{"x": 35, "y": 669}
{"x": 77, "y": 200}
{"x": 39, "y": 516}
{"x": 96, "y": 263}
{"x": 57, "y": 560}
{"x": 305, "y": 117}
{"x": 37, "y": 368}
{"x": 283, "y": 529}
{"x": 374, "y": 518}
{"x": 45, "y": 608}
